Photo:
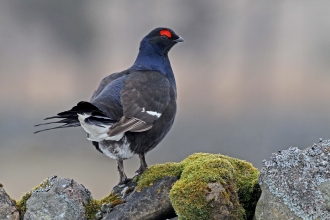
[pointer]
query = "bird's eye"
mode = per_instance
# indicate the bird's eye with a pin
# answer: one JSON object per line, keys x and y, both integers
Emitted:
{"x": 164, "y": 37}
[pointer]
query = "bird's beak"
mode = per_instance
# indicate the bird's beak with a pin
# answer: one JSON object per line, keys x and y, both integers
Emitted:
{"x": 180, "y": 39}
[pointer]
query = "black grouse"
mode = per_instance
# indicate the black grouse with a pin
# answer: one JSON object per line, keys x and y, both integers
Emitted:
{"x": 133, "y": 110}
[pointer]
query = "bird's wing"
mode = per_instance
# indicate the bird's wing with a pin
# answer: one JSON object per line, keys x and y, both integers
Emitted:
{"x": 144, "y": 97}
{"x": 108, "y": 80}
{"x": 107, "y": 95}
{"x": 103, "y": 109}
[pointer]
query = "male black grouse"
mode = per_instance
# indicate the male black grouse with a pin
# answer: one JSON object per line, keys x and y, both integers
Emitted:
{"x": 131, "y": 111}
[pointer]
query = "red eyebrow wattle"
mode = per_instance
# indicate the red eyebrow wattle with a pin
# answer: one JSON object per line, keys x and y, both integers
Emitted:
{"x": 166, "y": 33}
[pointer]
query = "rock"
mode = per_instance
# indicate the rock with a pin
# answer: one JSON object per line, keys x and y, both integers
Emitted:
{"x": 58, "y": 199}
{"x": 296, "y": 184}
{"x": 203, "y": 186}
{"x": 124, "y": 190}
{"x": 271, "y": 207}
{"x": 8, "y": 209}
{"x": 148, "y": 203}
{"x": 215, "y": 197}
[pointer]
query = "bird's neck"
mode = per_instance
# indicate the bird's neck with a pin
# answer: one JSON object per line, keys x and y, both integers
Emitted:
{"x": 150, "y": 59}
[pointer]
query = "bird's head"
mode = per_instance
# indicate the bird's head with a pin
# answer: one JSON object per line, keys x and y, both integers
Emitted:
{"x": 161, "y": 40}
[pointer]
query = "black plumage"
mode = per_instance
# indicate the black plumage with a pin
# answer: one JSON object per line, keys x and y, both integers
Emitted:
{"x": 133, "y": 110}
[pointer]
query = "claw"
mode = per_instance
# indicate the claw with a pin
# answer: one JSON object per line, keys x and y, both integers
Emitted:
{"x": 122, "y": 183}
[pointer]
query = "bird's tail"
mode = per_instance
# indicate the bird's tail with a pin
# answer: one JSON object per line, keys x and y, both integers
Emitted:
{"x": 70, "y": 117}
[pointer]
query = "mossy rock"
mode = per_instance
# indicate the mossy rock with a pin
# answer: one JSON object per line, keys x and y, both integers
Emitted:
{"x": 92, "y": 207}
{"x": 21, "y": 203}
{"x": 95, "y": 205}
{"x": 157, "y": 172}
{"x": 209, "y": 186}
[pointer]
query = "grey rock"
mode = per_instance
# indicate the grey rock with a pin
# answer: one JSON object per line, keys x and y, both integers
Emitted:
{"x": 296, "y": 184}
{"x": 8, "y": 209}
{"x": 175, "y": 218}
{"x": 105, "y": 209}
{"x": 270, "y": 207}
{"x": 124, "y": 190}
{"x": 151, "y": 203}
{"x": 57, "y": 199}
{"x": 324, "y": 188}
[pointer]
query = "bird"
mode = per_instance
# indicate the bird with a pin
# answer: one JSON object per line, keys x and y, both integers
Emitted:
{"x": 131, "y": 111}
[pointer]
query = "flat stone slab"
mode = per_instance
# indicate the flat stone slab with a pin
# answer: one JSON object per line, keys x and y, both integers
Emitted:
{"x": 151, "y": 203}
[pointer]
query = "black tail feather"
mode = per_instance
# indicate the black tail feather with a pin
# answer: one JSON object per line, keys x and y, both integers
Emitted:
{"x": 62, "y": 126}
{"x": 66, "y": 120}
{"x": 70, "y": 117}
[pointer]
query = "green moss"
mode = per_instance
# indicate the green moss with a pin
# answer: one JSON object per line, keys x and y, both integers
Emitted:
{"x": 250, "y": 199}
{"x": 21, "y": 204}
{"x": 247, "y": 182}
{"x": 157, "y": 172}
{"x": 188, "y": 200}
{"x": 243, "y": 173}
{"x": 189, "y": 194}
{"x": 94, "y": 205}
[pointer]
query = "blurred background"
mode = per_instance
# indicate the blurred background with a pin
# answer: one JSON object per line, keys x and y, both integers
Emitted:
{"x": 252, "y": 77}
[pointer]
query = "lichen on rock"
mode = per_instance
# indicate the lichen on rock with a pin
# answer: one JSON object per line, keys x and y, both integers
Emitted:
{"x": 298, "y": 179}
{"x": 57, "y": 198}
{"x": 87, "y": 209}
{"x": 8, "y": 209}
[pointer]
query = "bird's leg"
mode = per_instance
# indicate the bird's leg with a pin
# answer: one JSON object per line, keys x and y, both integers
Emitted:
{"x": 122, "y": 176}
{"x": 143, "y": 164}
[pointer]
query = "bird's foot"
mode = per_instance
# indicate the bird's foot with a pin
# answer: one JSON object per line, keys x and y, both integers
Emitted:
{"x": 140, "y": 170}
{"x": 123, "y": 182}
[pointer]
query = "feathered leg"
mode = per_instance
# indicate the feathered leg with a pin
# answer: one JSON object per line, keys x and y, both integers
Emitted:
{"x": 122, "y": 176}
{"x": 143, "y": 164}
